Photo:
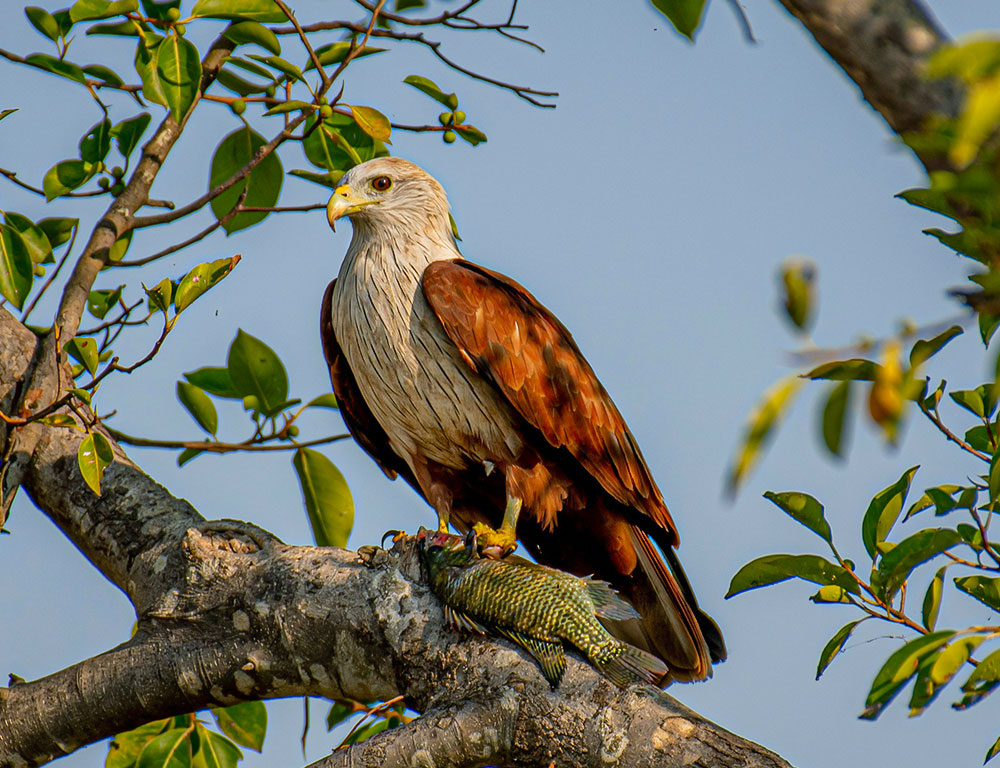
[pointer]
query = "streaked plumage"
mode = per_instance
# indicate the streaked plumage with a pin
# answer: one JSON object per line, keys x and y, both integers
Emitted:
{"x": 536, "y": 607}
{"x": 458, "y": 379}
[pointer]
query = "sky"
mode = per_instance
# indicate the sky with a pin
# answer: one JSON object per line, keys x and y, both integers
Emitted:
{"x": 650, "y": 212}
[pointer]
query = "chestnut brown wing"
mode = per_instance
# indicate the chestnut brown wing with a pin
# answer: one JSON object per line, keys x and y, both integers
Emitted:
{"x": 357, "y": 415}
{"x": 506, "y": 335}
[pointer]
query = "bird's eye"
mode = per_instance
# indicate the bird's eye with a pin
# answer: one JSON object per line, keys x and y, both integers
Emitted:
{"x": 381, "y": 183}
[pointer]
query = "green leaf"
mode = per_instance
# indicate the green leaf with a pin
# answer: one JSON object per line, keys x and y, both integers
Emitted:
{"x": 923, "y": 350}
{"x": 898, "y": 669}
{"x": 834, "y": 647}
{"x": 932, "y": 599}
{"x": 339, "y": 144}
{"x": 897, "y": 564}
{"x": 199, "y": 406}
{"x": 65, "y": 177}
{"x": 834, "y": 416}
{"x": 685, "y": 15}
{"x": 105, "y": 74}
{"x": 971, "y": 400}
{"x": 120, "y": 246}
{"x": 240, "y": 86}
{"x": 56, "y": 66}
{"x": 765, "y": 416}
{"x": 100, "y": 302}
{"x": 58, "y": 230}
{"x": 16, "y": 273}
{"x": 329, "y": 179}
{"x": 328, "y": 499}
{"x": 854, "y": 369}
{"x": 187, "y": 454}
{"x": 215, "y": 751}
{"x": 160, "y": 295}
{"x": 35, "y": 240}
{"x": 80, "y": 394}
{"x": 84, "y": 350}
{"x": 253, "y": 10}
{"x": 94, "y": 455}
{"x": 124, "y": 749}
{"x": 372, "y": 122}
{"x": 953, "y": 658}
{"x": 249, "y": 66}
{"x": 985, "y": 590}
{"x": 339, "y": 712}
{"x": 772, "y": 569}
{"x": 177, "y": 66}
{"x": 7, "y": 112}
{"x": 201, "y": 279}
{"x": 471, "y": 134}
{"x": 90, "y": 10}
{"x": 329, "y": 400}
{"x": 290, "y": 106}
{"x": 159, "y": 9}
{"x": 431, "y": 88}
{"x": 216, "y": 381}
{"x": 366, "y": 732}
{"x": 987, "y": 671}
{"x": 58, "y": 420}
{"x": 171, "y": 749}
{"x": 95, "y": 144}
{"x": 245, "y": 723}
{"x": 263, "y": 184}
{"x": 883, "y": 511}
{"x": 43, "y": 21}
{"x": 128, "y": 133}
{"x": 992, "y": 751}
{"x": 252, "y": 33}
{"x": 803, "y": 508}
{"x": 124, "y": 28}
{"x": 830, "y": 593}
{"x": 334, "y": 53}
{"x": 256, "y": 370}
{"x": 286, "y": 68}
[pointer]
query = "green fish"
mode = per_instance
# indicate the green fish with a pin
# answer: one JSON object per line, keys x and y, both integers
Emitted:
{"x": 536, "y": 607}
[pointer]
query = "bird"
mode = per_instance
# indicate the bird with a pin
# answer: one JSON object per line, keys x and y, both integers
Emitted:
{"x": 457, "y": 379}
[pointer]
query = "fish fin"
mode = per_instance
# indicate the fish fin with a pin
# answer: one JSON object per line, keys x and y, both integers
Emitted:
{"x": 549, "y": 654}
{"x": 459, "y": 620}
{"x": 607, "y": 603}
{"x": 632, "y": 665}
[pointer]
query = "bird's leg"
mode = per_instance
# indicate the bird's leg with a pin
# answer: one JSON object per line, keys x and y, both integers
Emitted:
{"x": 500, "y": 542}
{"x": 442, "y": 521}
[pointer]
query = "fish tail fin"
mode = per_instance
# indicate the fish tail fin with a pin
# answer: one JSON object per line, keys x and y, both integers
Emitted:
{"x": 628, "y": 664}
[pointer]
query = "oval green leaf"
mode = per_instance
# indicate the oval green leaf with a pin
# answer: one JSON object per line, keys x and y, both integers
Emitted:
{"x": 897, "y": 563}
{"x": 262, "y": 185}
{"x": 252, "y": 10}
{"x": 128, "y": 133}
{"x": 803, "y": 508}
{"x": 93, "y": 456}
{"x": 16, "y": 273}
{"x": 177, "y": 67}
{"x": 215, "y": 751}
{"x": 43, "y": 21}
{"x": 328, "y": 499}
{"x": 244, "y": 723}
{"x": 772, "y": 569}
{"x": 883, "y": 511}
{"x": 171, "y": 749}
{"x": 215, "y": 381}
{"x": 898, "y": 669}
{"x": 201, "y": 279}
{"x": 252, "y": 33}
{"x": 256, "y": 370}
{"x": 834, "y": 647}
{"x": 199, "y": 406}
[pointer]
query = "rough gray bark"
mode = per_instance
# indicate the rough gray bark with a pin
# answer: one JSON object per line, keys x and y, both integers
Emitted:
{"x": 883, "y": 45}
{"x": 228, "y": 613}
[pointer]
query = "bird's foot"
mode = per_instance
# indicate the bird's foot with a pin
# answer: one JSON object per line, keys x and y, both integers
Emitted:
{"x": 394, "y": 535}
{"x": 495, "y": 543}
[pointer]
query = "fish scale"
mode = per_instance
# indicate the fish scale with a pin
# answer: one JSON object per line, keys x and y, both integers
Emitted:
{"x": 536, "y": 607}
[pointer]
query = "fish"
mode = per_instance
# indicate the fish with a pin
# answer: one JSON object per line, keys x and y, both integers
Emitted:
{"x": 536, "y": 607}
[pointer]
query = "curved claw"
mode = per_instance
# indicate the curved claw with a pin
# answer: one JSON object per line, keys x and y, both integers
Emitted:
{"x": 396, "y": 536}
{"x": 494, "y": 544}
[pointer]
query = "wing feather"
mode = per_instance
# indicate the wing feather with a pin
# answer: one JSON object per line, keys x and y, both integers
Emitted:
{"x": 506, "y": 335}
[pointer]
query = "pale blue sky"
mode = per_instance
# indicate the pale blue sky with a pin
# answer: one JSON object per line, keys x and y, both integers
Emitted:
{"x": 649, "y": 211}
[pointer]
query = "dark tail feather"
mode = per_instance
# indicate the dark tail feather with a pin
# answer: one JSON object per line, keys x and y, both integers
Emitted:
{"x": 632, "y": 665}
{"x": 673, "y": 628}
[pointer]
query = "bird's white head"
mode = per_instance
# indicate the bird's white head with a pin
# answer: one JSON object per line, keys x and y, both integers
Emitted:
{"x": 389, "y": 192}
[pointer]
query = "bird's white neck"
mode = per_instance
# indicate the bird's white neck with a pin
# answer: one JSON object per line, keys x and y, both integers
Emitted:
{"x": 393, "y": 246}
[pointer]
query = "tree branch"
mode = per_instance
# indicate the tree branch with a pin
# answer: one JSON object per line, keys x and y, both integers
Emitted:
{"x": 883, "y": 46}
{"x": 228, "y": 613}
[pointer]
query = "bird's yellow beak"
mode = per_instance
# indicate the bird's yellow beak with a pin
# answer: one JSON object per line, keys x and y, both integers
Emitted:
{"x": 344, "y": 202}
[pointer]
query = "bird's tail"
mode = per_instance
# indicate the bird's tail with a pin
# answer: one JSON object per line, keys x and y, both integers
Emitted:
{"x": 672, "y": 627}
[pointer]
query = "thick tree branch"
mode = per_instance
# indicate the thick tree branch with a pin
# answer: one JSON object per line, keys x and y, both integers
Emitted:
{"x": 228, "y": 613}
{"x": 883, "y": 46}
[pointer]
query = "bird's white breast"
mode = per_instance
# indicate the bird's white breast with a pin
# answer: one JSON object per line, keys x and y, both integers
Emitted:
{"x": 428, "y": 400}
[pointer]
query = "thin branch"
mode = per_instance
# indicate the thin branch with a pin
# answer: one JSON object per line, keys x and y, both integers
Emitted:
{"x": 88, "y": 82}
{"x": 936, "y": 421}
{"x": 214, "y": 446}
{"x": 53, "y": 276}
{"x": 150, "y": 221}
{"x": 12, "y": 175}
{"x": 308, "y": 46}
